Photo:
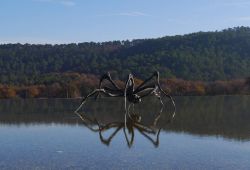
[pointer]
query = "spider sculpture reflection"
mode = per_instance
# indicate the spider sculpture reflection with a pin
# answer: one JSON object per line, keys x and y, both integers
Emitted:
{"x": 130, "y": 92}
{"x": 128, "y": 126}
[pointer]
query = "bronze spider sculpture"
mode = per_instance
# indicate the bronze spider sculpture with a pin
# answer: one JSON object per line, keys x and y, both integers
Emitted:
{"x": 128, "y": 126}
{"x": 129, "y": 92}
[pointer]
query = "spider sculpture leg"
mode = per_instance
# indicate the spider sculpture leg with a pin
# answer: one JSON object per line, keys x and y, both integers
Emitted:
{"x": 108, "y": 140}
{"x": 143, "y": 87}
{"x": 93, "y": 93}
{"x": 87, "y": 122}
{"x": 158, "y": 117}
{"x": 129, "y": 89}
{"x": 144, "y": 128}
{"x": 153, "y": 89}
{"x": 131, "y": 141}
{"x": 156, "y": 75}
{"x": 156, "y": 141}
{"x": 108, "y": 78}
{"x": 148, "y": 90}
{"x": 128, "y": 111}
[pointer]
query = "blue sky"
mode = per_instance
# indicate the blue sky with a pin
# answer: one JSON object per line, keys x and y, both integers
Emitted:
{"x": 67, "y": 21}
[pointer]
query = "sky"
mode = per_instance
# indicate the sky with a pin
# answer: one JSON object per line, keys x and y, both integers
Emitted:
{"x": 74, "y": 21}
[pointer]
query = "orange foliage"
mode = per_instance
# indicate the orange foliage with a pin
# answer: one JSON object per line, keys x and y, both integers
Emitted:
{"x": 75, "y": 85}
{"x": 7, "y": 92}
{"x": 33, "y": 91}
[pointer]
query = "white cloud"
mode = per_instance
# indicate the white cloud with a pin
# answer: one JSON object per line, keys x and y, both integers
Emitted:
{"x": 130, "y": 14}
{"x": 61, "y": 2}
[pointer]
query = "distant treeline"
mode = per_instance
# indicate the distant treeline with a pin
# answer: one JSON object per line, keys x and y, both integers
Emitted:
{"x": 73, "y": 85}
{"x": 206, "y": 56}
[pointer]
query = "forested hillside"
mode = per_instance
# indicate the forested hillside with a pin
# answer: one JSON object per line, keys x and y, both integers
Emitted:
{"x": 206, "y": 56}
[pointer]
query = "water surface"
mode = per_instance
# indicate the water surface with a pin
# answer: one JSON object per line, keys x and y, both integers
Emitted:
{"x": 206, "y": 133}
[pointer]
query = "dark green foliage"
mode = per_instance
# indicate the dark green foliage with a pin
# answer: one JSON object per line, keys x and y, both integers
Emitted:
{"x": 199, "y": 56}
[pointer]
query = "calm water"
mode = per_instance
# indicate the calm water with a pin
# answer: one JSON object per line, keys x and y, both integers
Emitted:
{"x": 206, "y": 133}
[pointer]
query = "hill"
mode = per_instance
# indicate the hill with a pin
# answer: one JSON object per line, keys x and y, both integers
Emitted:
{"x": 206, "y": 56}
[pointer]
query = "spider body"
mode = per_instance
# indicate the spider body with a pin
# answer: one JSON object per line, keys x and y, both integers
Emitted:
{"x": 131, "y": 93}
{"x": 134, "y": 98}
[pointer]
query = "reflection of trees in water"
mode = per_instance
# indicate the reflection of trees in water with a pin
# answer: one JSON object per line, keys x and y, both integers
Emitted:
{"x": 226, "y": 116}
{"x": 32, "y": 111}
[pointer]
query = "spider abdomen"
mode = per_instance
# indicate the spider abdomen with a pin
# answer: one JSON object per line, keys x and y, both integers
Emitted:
{"x": 134, "y": 98}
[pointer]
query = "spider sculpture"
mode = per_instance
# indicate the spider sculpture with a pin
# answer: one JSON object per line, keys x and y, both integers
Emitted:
{"x": 128, "y": 126}
{"x": 130, "y": 93}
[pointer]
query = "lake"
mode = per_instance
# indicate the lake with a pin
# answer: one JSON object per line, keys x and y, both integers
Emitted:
{"x": 205, "y": 133}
